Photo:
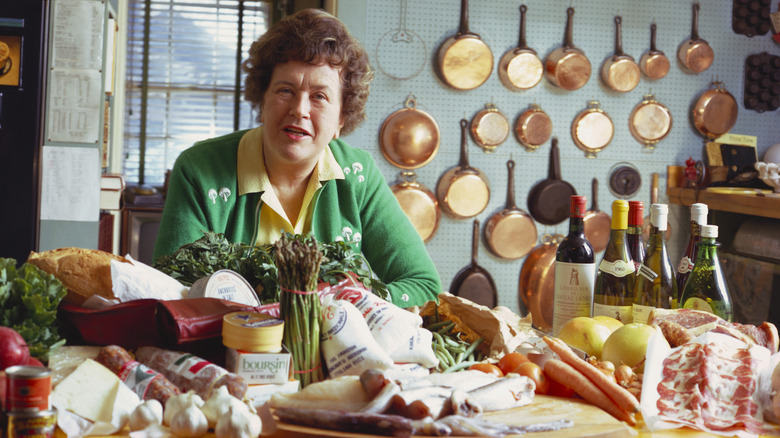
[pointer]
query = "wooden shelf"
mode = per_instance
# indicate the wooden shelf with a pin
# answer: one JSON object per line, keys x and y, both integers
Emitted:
{"x": 754, "y": 204}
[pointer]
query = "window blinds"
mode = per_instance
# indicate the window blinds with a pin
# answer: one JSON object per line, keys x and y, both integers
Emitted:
{"x": 182, "y": 79}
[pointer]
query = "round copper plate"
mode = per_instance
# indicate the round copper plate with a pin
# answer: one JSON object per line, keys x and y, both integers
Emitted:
{"x": 592, "y": 129}
{"x": 650, "y": 122}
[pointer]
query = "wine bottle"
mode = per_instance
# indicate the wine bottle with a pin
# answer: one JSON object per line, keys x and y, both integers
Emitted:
{"x": 698, "y": 218}
{"x": 655, "y": 285}
{"x": 575, "y": 270}
{"x": 636, "y": 244}
{"x": 706, "y": 287}
{"x": 613, "y": 294}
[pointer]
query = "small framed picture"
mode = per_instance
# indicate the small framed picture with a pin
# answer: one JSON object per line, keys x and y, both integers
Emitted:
{"x": 10, "y": 59}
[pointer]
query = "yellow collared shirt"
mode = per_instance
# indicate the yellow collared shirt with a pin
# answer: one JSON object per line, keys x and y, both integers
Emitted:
{"x": 253, "y": 178}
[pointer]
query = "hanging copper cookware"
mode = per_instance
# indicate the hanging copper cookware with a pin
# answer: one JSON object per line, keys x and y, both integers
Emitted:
{"x": 463, "y": 191}
{"x": 533, "y": 127}
{"x": 715, "y": 112}
{"x": 654, "y": 63}
{"x": 536, "y": 287}
{"x": 597, "y": 222}
{"x": 474, "y": 282}
{"x": 409, "y": 137}
{"x": 695, "y": 55}
{"x": 650, "y": 122}
{"x": 464, "y": 60}
{"x": 520, "y": 68}
{"x": 419, "y": 203}
{"x": 489, "y": 128}
{"x": 567, "y": 66}
{"x": 511, "y": 232}
{"x": 620, "y": 72}
{"x": 549, "y": 199}
{"x": 592, "y": 129}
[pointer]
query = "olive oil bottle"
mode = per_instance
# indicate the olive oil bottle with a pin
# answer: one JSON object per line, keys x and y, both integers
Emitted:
{"x": 613, "y": 294}
{"x": 706, "y": 288}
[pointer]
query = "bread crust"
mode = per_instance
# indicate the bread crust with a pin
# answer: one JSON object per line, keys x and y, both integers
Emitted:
{"x": 84, "y": 272}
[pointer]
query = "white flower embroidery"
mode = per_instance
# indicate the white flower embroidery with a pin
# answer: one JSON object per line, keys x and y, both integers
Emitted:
{"x": 213, "y": 195}
{"x": 361, "y": 178}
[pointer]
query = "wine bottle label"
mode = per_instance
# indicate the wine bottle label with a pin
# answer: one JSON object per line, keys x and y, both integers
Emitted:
{"x": 647, "y": 272}
{"x": 618, "y": 268}
{"x": 685, "y": 266}
{"x": 621, "y": 313}
{"x": 574, "y": 283}
{"x": 641, "y": 313}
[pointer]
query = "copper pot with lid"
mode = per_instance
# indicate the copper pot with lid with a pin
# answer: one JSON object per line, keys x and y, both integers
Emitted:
{"x": 650, "y": 122}
{"x": 567, "y": 66}
{"x": 620, "y": 72}
{"x": 533, "y": 127}
{"x": 419, "y": 203}
{"x": 409, "y": 137}
{"x": 715, "y": 112}
{"x": 592, "y": 129}
{"x": 489, "y": 128}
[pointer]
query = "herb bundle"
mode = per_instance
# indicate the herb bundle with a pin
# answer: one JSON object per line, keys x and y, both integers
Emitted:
{"x": 298, "y": 260}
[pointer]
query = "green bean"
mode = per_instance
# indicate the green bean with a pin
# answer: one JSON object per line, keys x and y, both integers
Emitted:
{"x": 459, "y": 366}
{"x": 446, "y": 329}
{"x": 459, "y": 357}
{"x": 448, "y": 340}
{"x": 473, "y": 346}
{"x": 437, "y": 325}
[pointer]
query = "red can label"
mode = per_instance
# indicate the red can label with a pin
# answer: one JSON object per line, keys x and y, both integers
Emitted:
{"x": 41, "y": 424}
{"x": 28, "y": 388}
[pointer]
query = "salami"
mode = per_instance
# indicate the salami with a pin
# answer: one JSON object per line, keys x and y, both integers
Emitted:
{"x": 191, "y": 373}
{"x": 146, "y": 382}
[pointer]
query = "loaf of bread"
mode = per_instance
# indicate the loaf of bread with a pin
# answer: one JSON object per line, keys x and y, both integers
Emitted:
{"x": 84, "y": 272}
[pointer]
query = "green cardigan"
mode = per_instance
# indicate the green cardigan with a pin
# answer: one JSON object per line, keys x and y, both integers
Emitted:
{"x": 360, "y": 209}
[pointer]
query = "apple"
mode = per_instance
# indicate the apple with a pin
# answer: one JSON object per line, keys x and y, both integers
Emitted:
{"x": 609, "y": 321}
{"x": 628, "y": 345}
{"x": 13, "y": 348}
{"x": 585, "y": 333}
{"x": 33, "y": 361}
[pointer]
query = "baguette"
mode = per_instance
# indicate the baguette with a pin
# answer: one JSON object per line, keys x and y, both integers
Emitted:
{"x": 84, "y": 272}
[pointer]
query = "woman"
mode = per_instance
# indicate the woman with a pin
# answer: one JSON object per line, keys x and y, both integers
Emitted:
{"x": 309, "y": 80}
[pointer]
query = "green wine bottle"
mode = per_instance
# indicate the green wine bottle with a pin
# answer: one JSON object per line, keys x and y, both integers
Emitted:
{"x": 655, "y": 285}
{"x": 706, "y": 287}
{"x": 613, "y": 294}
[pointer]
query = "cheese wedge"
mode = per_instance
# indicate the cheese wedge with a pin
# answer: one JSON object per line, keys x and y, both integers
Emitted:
{"x": 95, "y": 393}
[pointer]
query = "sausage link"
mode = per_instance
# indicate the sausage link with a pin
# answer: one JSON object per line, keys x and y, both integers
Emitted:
{"x": 143, "y": 380}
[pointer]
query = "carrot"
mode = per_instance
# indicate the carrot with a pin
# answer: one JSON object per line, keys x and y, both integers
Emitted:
{"x": 622, "y": 398}
{"x": 566, "y": 374}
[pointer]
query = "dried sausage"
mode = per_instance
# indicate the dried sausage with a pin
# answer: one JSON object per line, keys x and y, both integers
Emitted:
{"x": 144, "y": 381}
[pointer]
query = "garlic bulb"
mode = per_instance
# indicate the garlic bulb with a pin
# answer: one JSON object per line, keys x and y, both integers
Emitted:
{"x": 177, "y": 402}
{"x": 219, "y": 403}
{"x": 189, "y": 422}
{"x": 144, "y": 415}
{"x": 238, "y": 423}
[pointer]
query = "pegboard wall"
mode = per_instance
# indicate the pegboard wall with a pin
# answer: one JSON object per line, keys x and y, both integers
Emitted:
{"x": 429, "y": 23}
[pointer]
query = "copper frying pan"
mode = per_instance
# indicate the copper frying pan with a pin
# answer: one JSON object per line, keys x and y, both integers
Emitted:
{"x": 654, "y": 63}
{"x": 409, "y": 137}
{"x": 567, "y": 66}
{"x": 620, "y": 72}
{"x": 520, "y": 68}
{"x": 597, "y": 222}
{"x": 419, "y": 203}
{"x": 715, "y": 112}
{"x": 536, "y": 287}
{"x": 474, "y": 282}
{"x": 465, "y": 61}
{"x": 511, "y": 232}
{"x": 695, "y": 54}
{"x": 533, "y": 127}
{"x": 463, "y": 191}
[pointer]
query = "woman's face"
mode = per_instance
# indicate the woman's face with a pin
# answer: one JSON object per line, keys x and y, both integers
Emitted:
{"x": 301, "y": 112}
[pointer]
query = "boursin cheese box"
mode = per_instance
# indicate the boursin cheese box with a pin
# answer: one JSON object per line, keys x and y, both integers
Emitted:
{"x": 260, "y": 368}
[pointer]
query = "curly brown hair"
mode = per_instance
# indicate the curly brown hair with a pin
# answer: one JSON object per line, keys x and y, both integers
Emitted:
{"x": 312, "y": 36}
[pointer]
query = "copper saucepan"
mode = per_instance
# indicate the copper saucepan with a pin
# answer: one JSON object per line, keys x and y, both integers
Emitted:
{"x": 463, "y": 191}
{"x": 654, "y": 63}
{"x": 419, "y": 203}
{"x": 474, "y": 282}
{"x": 620, "y": 72}
{"x": 409, "y": 137}
{"x": 489, "y": 128}
{"x": 465, "y": 61}
{"x": 715, "y": 112}
{"x": 536, "y": 287}
{"x": 511, "y": 232}
{"x": 597, "y": 222}
{"x": 520, "y": 68}
{"x": 567, "y": 66}
{"x": 533, "y": 127}
{"x": 695, "y": 55}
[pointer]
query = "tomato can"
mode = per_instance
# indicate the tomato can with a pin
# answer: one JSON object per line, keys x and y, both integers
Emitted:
{"x": 28, "y": 388}
{"x": 31, "y": 424}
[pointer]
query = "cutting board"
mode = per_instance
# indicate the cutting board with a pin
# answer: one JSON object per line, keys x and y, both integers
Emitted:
{"x": 589, "y": 421}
